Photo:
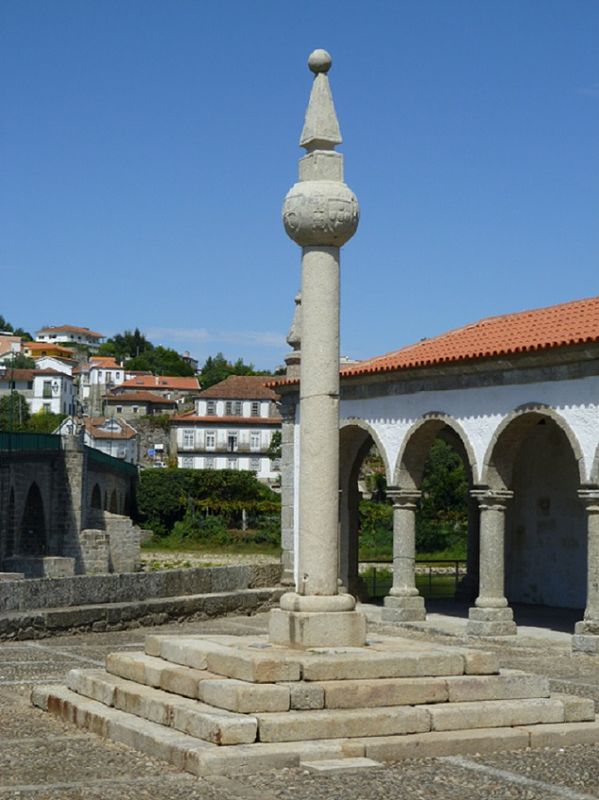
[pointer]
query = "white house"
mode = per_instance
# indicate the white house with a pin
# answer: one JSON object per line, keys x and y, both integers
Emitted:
{"x": 53, "y": 391}
{"x": 70, "y": 334}
{"x": 58, "y": 364}
{"x": 114, "y": 437}
{"x": 44, "y": 389}
{"x": 96, "y": 378}
{"x": 231, "y": 428}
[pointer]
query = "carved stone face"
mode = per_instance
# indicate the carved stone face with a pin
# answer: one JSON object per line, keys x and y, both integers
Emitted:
{"x": 320, "y": 213}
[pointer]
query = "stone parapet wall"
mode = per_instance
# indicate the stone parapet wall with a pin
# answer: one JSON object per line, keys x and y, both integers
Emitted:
{"x": 41, "y": 623}
{"x": 43, "y": 567}
{"x": 87, "y": 590}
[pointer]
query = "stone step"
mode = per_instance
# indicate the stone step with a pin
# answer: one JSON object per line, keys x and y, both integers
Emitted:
{"x": 163, "y": 708}
{"x": 509, "y": 685}
{"x": 393, "y": 720}
{"x": 203, "y": 758}
{"x": 158, "y": 673}
{"x": 255, "y": 660}
{"x": 225, "y": 693}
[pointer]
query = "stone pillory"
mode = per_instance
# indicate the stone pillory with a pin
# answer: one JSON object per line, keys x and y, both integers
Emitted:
{"x": 320, "y": 214}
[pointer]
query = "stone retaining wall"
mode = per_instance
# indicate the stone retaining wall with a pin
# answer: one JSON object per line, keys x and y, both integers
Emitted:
{"x": 86, "y": 590}
{"x": 41, "y": 623}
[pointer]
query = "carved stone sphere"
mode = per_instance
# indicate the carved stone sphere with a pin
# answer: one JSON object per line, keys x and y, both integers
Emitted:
{"x": 320, "y": 213}
{"x": 319, "y": 61}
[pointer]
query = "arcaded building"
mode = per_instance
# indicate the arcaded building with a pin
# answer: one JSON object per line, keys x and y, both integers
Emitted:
{"x": 517, "y": 396}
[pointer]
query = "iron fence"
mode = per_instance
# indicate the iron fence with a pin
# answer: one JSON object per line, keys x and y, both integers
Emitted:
{"x": 435, "y": 577}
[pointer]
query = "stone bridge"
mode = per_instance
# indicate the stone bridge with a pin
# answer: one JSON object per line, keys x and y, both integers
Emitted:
{"x": 64, "y": 508}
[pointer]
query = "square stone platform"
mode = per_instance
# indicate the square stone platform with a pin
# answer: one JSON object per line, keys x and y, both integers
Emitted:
{"x": 221, "y": 704}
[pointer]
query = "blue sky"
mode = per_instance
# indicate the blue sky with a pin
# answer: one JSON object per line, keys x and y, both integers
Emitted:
{"x": 146, "y": 147}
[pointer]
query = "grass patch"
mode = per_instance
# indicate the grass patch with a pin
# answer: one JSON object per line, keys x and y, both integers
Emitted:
{"x": 175, "y": 544}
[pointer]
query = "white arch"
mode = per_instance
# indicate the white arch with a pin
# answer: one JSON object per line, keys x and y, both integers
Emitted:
{"x": 422, "y": 432}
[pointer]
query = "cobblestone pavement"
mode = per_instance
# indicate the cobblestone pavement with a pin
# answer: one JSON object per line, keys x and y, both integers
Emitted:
{"x": 42, "y": 758}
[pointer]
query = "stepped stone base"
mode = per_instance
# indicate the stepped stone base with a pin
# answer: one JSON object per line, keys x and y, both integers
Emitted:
{"x": 404, "y": 609}
{"x": 225, "y": 704}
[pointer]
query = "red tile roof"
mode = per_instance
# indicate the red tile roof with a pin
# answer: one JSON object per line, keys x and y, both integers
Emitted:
{"x": 93, "y": 425}
{"x": 241, "y": 387}
{"x": 173, "y": 382}
{"x": 538, "y": 329}
{"x": 70, "y": 329}
{"x": 104, "y": 362}
{"x": 563, "y": 325}
{"x": 138, "y": 397}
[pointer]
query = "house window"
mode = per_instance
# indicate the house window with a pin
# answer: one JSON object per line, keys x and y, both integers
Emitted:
{"x": 232, "y": 441}
{"x": 47, "y": 407}
{"x": 255, "y": 408}
{"x": 30, "y": 384}
{"x": 209, "y": 462}
{"x": 210, "y": 440}
{"x": 188, "y": 439}
{"x": 47, "y": 389}
{"x": 119, "y": 409}
{"x": 187, "y": 462}
{"x": 135, "y": 409}
{"x": 231, "y": 463}
{"x": 255, "y": 464}
{"x": 255, "y": 441}
{"x": 228, "y": 408}
{"x": 109, "y": 377}
{"x": 211, "y": 408}
{"x": 237, "y": 408}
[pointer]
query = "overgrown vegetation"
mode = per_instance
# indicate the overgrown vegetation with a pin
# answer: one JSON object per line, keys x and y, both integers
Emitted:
{"x": 215, "y": 507}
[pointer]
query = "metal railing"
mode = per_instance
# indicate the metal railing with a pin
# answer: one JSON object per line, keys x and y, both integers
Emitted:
{"x": 18, "y": 442}
{"x": 113, "y": 463}
{"x": 435, "y": 577}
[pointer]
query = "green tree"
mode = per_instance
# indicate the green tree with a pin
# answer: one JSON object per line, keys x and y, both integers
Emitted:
{"x": 165, "y": 496}
{"x": 129, "y": 344}
{"x": 14, "y": 412}
{"x": 7, "y": 327}
{"x": 161, "y": 361}
{"x": 274, "y": 448}
{"x": 442, "y": 517}
{"x": 217, "y": 368}
{"x": 20, "y": 361}
{"x": 44, "y": 422}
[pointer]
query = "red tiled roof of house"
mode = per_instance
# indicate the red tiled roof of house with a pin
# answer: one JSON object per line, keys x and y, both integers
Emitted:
{"x": 138, "y": 397}
{"x": 241, "y": 387}
{"x": 254, "y": 421}
{"x": 39, "y": 346}
{"x": 10, "y": 374}
{"x": 6, "y": 342}
{"x": 93, "y": 425}
{"x": 173, "y": 382}
{"x": 70, "y": 329}
{"x": 563, "y": 325}
{"x": 104, "y": 362}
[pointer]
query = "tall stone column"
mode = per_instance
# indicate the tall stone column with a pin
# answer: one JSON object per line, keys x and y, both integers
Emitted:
{"x": 287, "y": 487}
{"x": 491, "y": 615}
{"x": 586, "y": 635}
{"x": 320, "y": 214}
{"x": 404, "y": 603}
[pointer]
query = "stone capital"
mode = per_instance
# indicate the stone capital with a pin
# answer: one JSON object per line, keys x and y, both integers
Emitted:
{"x": 488, "y": 498}
{"x": 589, "y": 496}
{"x": 404, "y": 498}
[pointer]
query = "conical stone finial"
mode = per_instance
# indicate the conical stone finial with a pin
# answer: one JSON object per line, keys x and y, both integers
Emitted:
{"x": 321, "y": 128}
{"x": 320, "y": 209}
